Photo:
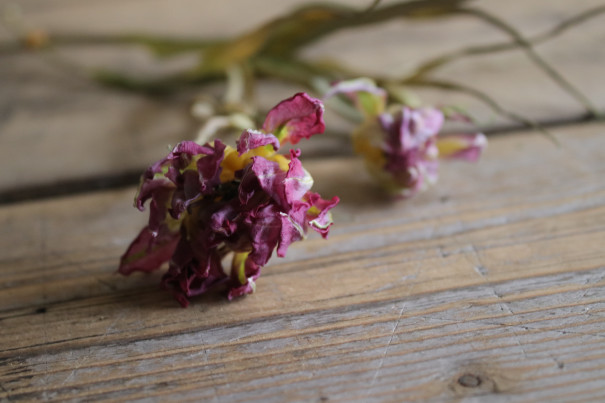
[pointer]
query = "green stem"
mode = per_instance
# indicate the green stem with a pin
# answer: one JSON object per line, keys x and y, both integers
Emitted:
{"x": 238, "y": 266}
{"x": 343, "y": 17}
{"x": 157, "y": 87}
{"x": 159, "y": 45}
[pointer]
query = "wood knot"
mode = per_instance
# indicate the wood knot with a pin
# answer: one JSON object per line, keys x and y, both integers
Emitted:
{"x": 470, "y": 380}
{"x": 473, "y": 381}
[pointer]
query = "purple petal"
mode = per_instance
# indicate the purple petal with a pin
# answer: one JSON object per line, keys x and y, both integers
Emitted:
{"x": 223, "y": 220}
{"x": 192, "y": 183}
{"x": 243, "y": 283}
{"x": 147, "y": 252}
{"x": 298, "y": 181}
{"x": 149, "y": 187}
{"x": 426, "y": 123}
{"x": 188, "y": 276}
{"x": 264, "y": 233}
{"x": 251, "y": 139}
{"x": 241, "y": 290}
{"x": 295, "y": 118}
{"x": 264, "y": 175}
{"x": 410, "y": 149}
{"x": 158, "y": 209}
{"x": 163, "y": 177}
{"x": 293, "y": 226}
{"x": 209, "y": 167}
{"x": 204, "y": 276}
{"x": 318, "y": 215}
{"x": 188, "y": 189}
{"x": 189, "y": 148}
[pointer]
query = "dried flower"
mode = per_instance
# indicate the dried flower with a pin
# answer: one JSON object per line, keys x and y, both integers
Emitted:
{"x": 401, "y": 145}
{"x": 210, "y": 201}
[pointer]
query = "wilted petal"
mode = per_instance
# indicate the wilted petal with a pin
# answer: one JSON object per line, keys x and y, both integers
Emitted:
{"x": 265, "y": 230}
{"x": 425, "y": 123}
{"x": 190, "y": 148}
{"x": 396, "y": 132}
{"x": 182, "y": 299}
{"x": 292, "y": 226}
{"x": 295, "y": 118}
{"x": 244, "y": 273}
{"x": 462, "y": 146}
{"x": 193, "y": 270}
{"x": 367, "y": 97}
{"x": 223, "y": 220}
{"x": 251, "y": 139}
{"x": 150, "y": 187}
{"x": 409, "y": 150}
{"x": 147, "y": 252}
{"x": 208, "y": 274}
{"x": 264, "y": 175}
{"x": 188, "y": 189}
{"x": 209, "y": 167}
{"x": 179, "y": 158}
{"x": 298, "y": 181}
{"x": 158, "y": 208}
{"x": 318, "y": 215}
{"x": 171, "y": 184}
{"x": 242, "y": 290}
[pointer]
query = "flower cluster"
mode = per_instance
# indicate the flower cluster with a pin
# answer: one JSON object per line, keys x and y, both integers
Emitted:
{"x": 402, "y": 146}
{"x": 208, "y": 202}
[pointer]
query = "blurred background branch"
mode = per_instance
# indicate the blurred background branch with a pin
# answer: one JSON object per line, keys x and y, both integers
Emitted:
{"x": 273, "y": 51}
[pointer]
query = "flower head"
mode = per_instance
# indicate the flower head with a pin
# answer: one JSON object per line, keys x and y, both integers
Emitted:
{"x": 210, "y": 201}
{"x": 402, "y": 146}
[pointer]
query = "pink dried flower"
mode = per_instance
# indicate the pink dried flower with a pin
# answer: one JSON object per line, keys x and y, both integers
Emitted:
{"x": 211, "y": 201}
{"x": 402, "y": 146}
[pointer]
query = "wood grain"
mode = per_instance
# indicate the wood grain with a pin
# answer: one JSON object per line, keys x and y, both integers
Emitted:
{"x": 57, "y": 128}
{"x": 488, "y": 286}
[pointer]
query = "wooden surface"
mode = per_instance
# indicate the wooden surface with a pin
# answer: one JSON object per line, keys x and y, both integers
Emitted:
{"x": 490, "y": 286}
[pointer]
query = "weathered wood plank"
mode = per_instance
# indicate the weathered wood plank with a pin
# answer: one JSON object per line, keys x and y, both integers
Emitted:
{"x": 520, "y": 338}
{"x": 497, "y": 274}
{"x": 56, "y": 126}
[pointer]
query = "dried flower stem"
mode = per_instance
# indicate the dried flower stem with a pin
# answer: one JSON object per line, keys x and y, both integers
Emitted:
{"x": 557, "y": 30}
{"x": 533, "y": 56}
{"x": 270, "y": 51}
{"x": 486, "y": 99}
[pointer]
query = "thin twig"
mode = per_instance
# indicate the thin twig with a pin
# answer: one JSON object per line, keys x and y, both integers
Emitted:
{"x": 537, "y": 59}
{"x": 557, "y": 30}
{"x": 570, "y": 23}
{"x": 286, "y": 35}
{"x": 372, "y": 6}
{"x": 486, "y": 99}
